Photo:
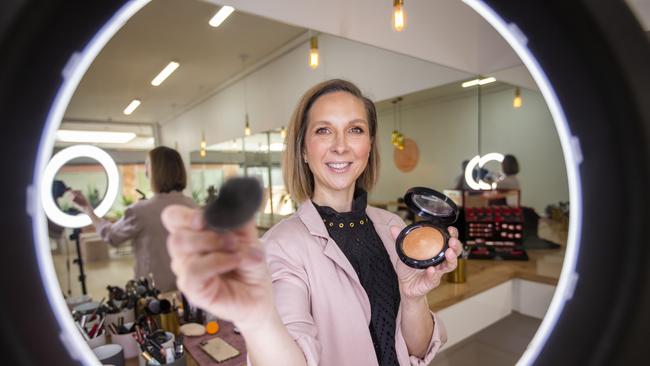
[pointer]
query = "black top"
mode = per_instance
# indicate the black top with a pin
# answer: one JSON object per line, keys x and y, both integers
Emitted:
{"x": 355, "y": 234}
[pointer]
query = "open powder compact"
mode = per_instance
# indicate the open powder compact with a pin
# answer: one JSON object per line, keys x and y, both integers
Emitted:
{"x": 423, "y": 243}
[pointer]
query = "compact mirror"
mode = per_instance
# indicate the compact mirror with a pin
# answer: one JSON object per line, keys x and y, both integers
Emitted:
{"x": 431, "y": 205}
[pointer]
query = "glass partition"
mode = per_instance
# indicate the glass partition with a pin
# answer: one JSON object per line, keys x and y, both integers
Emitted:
{"x": 258, "y": 155}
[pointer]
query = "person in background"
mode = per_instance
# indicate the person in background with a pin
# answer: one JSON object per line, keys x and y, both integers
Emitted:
{"x": 461, "y": 184}
{"x": 141, "y": 221}
{"x": 325, "y": 286}
{"x": 510, "y": 168}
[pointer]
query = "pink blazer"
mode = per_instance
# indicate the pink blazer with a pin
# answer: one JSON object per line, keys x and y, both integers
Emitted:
{"x": 319, "y": 296}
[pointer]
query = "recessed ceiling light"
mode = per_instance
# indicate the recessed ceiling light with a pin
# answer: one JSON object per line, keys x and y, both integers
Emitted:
{"x": 221, "y": 15}
{"x": 164, "y": 74}
{"x": 132, "y": 106}
{"x": 98, "y": 137}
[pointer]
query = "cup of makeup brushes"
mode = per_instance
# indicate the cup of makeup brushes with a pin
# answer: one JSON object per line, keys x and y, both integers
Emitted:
{"x": 127, "y": 341}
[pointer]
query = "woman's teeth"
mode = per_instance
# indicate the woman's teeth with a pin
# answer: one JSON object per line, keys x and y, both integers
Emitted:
{"x": 338, "y": 166}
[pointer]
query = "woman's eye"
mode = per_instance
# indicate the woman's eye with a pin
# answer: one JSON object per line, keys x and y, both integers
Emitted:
{"x": 356, "y": 130}
{"x": 322, "y": 131}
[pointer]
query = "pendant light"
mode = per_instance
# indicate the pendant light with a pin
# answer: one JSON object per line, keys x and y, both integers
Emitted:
{"x": 247, "y": 125}
{"x": 517, "y": 102}
{"x": 247, "y": 128}
{"x": 313, "y": 52}
{"x": 399, "y": 16}
{"x": 397, "y": 138}
{"x": 283, "y": 132}
{"x": 202, "y": 151}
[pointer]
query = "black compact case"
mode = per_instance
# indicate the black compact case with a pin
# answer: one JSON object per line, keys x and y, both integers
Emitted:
{"x": 438, "y": 211}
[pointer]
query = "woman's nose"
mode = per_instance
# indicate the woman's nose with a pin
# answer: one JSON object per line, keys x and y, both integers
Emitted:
{"x": 340, "y": 143}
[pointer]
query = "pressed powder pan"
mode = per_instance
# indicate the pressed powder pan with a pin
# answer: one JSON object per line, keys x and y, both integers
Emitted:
{"x": 423, "y": 244}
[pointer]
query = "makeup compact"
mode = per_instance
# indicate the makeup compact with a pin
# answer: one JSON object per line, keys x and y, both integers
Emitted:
{"x": 423, "y": 243}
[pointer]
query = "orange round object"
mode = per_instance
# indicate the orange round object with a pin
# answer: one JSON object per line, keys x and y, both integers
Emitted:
{"x": 212, "y": 327}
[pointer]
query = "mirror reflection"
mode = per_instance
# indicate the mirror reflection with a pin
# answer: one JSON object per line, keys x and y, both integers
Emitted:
{"x": 225, "y": 110}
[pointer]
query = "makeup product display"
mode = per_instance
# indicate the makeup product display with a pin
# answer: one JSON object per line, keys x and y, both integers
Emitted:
{"x": 238, "y": 201}
{"x": 494, "y": 231}
{"x": 423, "y": 243}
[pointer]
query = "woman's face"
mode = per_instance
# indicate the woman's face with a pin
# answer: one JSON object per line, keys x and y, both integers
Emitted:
{"x": 337, "y": 141}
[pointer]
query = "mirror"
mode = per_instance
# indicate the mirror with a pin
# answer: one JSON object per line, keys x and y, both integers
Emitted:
{"x": 203, "y": 111}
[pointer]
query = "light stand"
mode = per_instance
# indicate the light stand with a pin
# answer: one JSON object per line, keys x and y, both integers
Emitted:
{"x": 79, "y": 261}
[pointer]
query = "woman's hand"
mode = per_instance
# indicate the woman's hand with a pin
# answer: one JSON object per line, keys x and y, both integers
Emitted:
{"x": 416, "y": 283}
{"x": 80, "y": 200}
{"x": 224, "y": 273}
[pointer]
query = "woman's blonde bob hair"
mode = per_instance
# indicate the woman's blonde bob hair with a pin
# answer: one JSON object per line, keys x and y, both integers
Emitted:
{"x": 298, "y": 179}
{"x": 167, "y": 170}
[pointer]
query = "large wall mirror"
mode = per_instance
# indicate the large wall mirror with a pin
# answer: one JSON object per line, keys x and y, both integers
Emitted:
{"x": 219, "y": 93}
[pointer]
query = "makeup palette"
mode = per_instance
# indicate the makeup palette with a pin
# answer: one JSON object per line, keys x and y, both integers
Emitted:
{"x": 423, "y": 243}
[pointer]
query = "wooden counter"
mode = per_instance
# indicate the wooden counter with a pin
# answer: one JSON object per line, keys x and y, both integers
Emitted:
{"x": 543, "y": 266}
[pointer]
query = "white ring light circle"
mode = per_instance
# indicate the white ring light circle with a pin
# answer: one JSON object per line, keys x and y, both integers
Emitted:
{"x": 480, "y": 161}
{"x": 59, "y": 160}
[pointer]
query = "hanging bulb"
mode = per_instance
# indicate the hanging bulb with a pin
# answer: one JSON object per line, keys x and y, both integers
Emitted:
{"x": 247, "y": 128}
{"x": 399, "y": 141}
{"x": 203, "y": 146}
{"x": 393, "y": 137}
{"x": 283, "y": 132}
{"x": 517, "y": 102}
{"x": 313, "y": 53}
{"x": 399, "y": 16}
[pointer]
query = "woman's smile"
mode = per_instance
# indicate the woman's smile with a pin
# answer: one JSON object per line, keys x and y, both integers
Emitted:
{"x": 339, "y": 167}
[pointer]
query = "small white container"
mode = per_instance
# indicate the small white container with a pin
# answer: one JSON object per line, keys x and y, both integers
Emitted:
{"x": 100, "y": 340}
{"x": 110, "y": 354}
{"x": 127, "y": 314}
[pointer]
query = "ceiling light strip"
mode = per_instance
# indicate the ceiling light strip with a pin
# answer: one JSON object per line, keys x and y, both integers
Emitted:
{"x": 99, "y": 137}
{"x": 475, "y": 82}
{"x": 221, "y": 15}
{"x": 164, "y": 74}
{"x": 135, "y": 103}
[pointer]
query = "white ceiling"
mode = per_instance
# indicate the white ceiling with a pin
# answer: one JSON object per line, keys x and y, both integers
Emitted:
{"x": 445, "y": 32}
{"x": 166, "y": 30}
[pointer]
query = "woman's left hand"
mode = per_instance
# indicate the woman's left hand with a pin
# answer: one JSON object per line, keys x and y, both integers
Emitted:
{"x": 416, "y": 283}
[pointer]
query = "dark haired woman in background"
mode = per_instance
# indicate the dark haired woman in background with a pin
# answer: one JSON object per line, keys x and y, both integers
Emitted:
{"x": 510, "y": 168}
{"x": 332, "y": 291}
{"x": 141, "y": 221}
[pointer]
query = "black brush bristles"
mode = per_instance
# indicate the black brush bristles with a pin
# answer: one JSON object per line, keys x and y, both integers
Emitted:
{"x": 237, "y": 202}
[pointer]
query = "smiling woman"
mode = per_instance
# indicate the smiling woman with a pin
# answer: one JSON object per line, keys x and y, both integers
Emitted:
{"x": 606, "y": 130}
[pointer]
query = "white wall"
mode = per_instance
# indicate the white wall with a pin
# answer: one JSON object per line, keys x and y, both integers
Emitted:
{"x": 274, "y": 90}
{"x": 446, "y": 133}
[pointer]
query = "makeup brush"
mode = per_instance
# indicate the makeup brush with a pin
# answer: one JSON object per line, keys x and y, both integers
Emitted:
{"x": 154, "y": 307}
{"x": 238, "y": 201}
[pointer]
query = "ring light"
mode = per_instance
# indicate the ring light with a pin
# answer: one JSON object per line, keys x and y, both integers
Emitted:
{"x": 60, "y": 159}
{"x": 573, "y": 158}
{"x": 584, "y": 33}
{"x": 480, "y": 161}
